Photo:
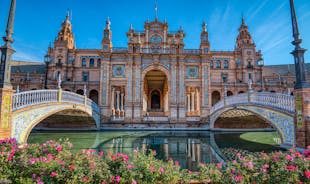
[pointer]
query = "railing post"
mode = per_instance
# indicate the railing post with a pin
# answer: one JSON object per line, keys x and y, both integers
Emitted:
{"x": 59, "y": 94}
{"x": 225, "y": 95}
{"x": 85, "y": 95}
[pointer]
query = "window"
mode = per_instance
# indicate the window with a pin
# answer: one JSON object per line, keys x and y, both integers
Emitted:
{"x": 91, "y": 62}
{"x": 205, "y": 50}
{"x": 226, "y": 64}
{"x": 238, "y": 63}
{"x": 85, "y": 76}
{"x": 98, "y": 62}
{"x": 83, "y": 62}
{"x": 218, "y": 64}
{"x": 211, "y": 64}
{"x": 250, "y": 76}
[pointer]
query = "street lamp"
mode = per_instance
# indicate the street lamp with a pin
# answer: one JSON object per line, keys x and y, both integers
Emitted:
{"x": 260, "y": 63}
{"x": 47, "y": 61}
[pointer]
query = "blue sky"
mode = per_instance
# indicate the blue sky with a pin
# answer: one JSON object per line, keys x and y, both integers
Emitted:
{"x": 37, "y": 23}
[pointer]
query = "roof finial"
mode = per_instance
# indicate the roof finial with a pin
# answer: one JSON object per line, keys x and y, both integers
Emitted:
{"x": 107, "y": 23}
{"x": 242, "y": 20}
{"x": 130, "y": 27}
{"x": 10, "y": 24}
{"x": 156, "y": 11}
{"x": 204, "y": 26}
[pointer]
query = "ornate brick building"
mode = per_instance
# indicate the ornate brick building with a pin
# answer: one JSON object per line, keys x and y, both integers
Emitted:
{"x": 155, "y": 78}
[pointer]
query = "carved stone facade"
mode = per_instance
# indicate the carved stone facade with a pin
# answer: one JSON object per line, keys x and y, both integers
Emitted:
{"x": 154, "y": 78}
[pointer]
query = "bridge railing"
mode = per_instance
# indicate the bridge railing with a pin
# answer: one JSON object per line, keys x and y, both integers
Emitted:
{"x": 35, "y": 97}
{"x": 274, "y": 100}
{"x": 72, "y": 97}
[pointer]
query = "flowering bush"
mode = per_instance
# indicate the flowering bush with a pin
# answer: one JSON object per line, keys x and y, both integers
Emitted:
{"x": 54, "y": 162}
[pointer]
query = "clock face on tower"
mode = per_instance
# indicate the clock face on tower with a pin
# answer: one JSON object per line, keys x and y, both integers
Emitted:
{"x": 155, "y": 39}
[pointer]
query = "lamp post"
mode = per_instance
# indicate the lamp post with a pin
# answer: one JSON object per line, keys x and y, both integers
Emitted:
{"x": 47, "y": 60}
{"x": 260, "y": 63}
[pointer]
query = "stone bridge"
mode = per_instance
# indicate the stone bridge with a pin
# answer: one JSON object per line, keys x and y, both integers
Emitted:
{"x": 275, "y": 108}
{"x": 29, "y": 108}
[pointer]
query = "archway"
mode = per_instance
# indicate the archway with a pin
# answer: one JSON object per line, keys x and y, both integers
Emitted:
{"x": 216, "y": 96}
{"x": 93, "y": 95}
{"x": 229, "y": 93}
{"x": 80, "y": 92}
{"x": 240, "y": 92}
{"x": 155, "y": 93}
{"x": 155, "y": 100}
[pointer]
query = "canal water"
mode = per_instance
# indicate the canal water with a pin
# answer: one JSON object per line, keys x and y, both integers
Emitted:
{"x": 189, "y": 148}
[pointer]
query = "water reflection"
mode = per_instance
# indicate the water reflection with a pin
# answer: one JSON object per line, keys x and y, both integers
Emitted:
{"x": 189, "y": 148}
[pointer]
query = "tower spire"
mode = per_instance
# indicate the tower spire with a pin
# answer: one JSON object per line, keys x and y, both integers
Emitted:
{"x": 7, "y": 51}
{"x": 10, "y": 24}
{"x": 298, "y": 53}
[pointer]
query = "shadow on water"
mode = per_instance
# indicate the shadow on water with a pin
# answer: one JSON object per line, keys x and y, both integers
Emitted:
{"x": 189, "y": 148}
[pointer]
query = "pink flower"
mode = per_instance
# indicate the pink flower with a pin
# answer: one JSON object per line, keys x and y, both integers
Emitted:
{"x": 100, "y": 153}
{"x": 290, "y": 167}
{"x": 189, "y": 172}
{"x": 250, "y": 165}
{"x": 39, "y": 181}
{"x": 72, "y": 166}
{"x": 53, "y": 174}
{"x": 289, "y": 157}
{"x": 234, "y": 161}
{"x": 85, "y": 179}
{"x": 91, "y": 165}
{"x": 117, "y": 179}
{"x": 34, "y": 176}
{"x": 32, "y": 161}
{"x": 154, "y": 152}
{"x": 307, "y": 174}
{"x": 176, "y": 163}
{"x": 103, "y": 182}
{"x": 130, "y": 166}
{"x": 59, "y": 148}
{"x": 162, "y": 170}
{"x": 218, "y": 165}
{"x": 133, "y": 181}
{"x": 238, "y": 178}
{"x": 135, "y": 151}
{"x": 152, "y": 169}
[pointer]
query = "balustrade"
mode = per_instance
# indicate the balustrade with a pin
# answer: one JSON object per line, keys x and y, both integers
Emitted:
{"x": 37, "y": 97}
{"x": 275, "y": 100}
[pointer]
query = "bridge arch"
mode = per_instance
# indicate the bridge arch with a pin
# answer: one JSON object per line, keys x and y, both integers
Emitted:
{"x": 276, "y": 109}
{"x": 31, "y": 107}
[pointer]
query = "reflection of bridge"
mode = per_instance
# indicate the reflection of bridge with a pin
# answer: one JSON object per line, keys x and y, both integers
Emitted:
{"x": 277, "y": 109}
{"x": 31, "y": 107}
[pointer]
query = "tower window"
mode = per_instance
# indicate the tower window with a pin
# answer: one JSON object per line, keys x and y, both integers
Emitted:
{"x": 98, "y": 62}
{"x": 91, "y": 62}
{"x": 205, "y": 50}
{"x": 211, "y": 64}
{"x": 83, "y": 62}
{"x": 226, "y": 66}
{"x": 218, "y": 64}
{"x": 85, "y": 76}
{"x": 250, "y": 76}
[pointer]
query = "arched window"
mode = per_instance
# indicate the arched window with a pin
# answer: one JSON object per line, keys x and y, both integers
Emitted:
{"x": 91, "y": 62}
{"x": 218, "y": 64}
{"x": 226, "y": 66}
{"x": 211, "y": 64}
{"x": 98, "y": 62}
{"x": 83, "y": 62}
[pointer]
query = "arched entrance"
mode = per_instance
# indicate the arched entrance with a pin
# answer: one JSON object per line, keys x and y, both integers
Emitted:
{"x": 155, "y": 100}
{"x": 216, "y": 96}
{"x": 93, "y": 95}
{"x": 80, "y": 92}
{"x": 155, "y": 93}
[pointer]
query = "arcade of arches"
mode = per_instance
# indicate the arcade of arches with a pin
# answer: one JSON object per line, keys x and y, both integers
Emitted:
{"x": 155, "y": 96}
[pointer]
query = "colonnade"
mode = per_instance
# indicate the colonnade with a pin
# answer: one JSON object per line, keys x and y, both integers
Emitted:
{"x": 192, "y": 100}
{"x": 118, "y": 103}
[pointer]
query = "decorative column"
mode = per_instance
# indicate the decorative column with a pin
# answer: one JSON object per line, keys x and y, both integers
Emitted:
{"x": 197, "y": 100}
{"x": 302, "y": 89}
{"x": 112, "y": 102}
{"x": 6, "y": 91}
{"x": 117, "y": 101}
{"x": 188, "y": 103}
{"x": 122, "y": 104}
{"x": 192, "y": 101}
